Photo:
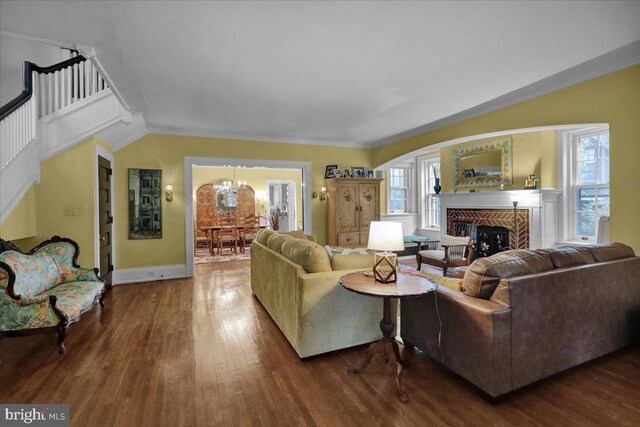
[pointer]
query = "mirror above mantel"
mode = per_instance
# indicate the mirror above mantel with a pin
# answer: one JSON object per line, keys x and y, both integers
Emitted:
{"x": 484, "y": 164}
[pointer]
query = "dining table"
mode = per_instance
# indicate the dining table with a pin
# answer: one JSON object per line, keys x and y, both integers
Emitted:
{"x": 212, "y": 229}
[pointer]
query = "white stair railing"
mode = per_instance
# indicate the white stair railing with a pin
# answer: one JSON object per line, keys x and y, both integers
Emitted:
{"x": 17, "y": 130}
{"x": 61, "y": 88}
{"x": 46, "y": 90}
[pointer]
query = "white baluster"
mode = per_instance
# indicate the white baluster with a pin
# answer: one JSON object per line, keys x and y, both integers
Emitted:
{"x": 49, "y": 94}
{"x": 75, "y": 82}
{"x": 63, "y": 88}
{"x": 56, "y": 91}
{"x": 87, "y": 79}
{"x": 81, "y": 79}
{"x": 42, "y": 95}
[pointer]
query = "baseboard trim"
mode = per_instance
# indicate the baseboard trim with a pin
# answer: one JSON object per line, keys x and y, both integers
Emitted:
{"x": 149, "y": 274}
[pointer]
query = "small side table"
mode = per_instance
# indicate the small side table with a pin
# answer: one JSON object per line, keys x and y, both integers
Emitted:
{"x": 406, "y": 286}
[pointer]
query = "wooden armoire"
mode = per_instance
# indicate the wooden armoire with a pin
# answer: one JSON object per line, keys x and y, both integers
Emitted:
{"x": 352, "y": 203}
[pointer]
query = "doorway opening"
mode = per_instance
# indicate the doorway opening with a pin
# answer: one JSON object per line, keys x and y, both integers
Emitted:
{"x": 282, "y": 204}
{"x": 231, "y": 199}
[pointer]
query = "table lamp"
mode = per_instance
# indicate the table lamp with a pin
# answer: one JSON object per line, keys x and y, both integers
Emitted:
{"x": 385, "y": 236}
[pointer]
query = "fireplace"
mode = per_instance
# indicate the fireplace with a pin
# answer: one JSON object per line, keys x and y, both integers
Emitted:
{"x": 533, "y": 226}
{"x": 490, "y": 240}
{"x": 518, "y": 237}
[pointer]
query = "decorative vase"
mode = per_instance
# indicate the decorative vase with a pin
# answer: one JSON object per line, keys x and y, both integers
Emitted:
{"x": 437, "y": 187}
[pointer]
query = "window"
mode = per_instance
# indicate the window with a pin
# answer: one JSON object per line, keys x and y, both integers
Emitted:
{"x": 430, "y": 170}
{"x": 399, "y": 190}
{"x": 589, "y": 182}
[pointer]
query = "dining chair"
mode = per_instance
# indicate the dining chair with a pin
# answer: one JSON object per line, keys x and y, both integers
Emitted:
{"x": 228, "y": 232}
{"x": 250, "y": 230}
{"x": 201, "y": 239}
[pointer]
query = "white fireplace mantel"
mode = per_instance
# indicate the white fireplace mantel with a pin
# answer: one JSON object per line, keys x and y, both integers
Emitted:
{"x": 542, "y": 205}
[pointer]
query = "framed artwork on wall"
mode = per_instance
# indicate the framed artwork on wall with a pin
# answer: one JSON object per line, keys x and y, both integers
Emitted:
{"x": 145, "y": 204}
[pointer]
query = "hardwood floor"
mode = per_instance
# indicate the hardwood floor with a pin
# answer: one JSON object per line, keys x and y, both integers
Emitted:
{"x": 205, "y": 352}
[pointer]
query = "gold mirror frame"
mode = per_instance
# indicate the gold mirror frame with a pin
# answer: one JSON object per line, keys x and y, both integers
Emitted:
{"x": 506, "y": 172}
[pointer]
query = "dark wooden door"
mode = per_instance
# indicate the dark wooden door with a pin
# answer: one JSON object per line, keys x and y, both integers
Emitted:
{"x": 106, "y": 219}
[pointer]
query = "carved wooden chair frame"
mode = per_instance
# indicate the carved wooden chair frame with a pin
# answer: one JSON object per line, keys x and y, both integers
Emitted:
{"x": 64, "y": 321}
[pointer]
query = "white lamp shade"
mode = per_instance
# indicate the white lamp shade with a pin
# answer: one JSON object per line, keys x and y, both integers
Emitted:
{"x": 385, "y": 236}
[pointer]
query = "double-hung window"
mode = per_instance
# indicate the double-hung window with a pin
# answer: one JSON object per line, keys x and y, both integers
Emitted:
{"x": 590, "y": 182}
{"x": 399, "y": 190}
{"x": 430, "y": 170}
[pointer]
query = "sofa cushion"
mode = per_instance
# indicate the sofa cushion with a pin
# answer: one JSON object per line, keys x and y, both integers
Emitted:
{"x": 297, "y": 234}
{"x": 611, "y": 251}
{"x": 76, "y": 297}
{"x": 308, "y": 254}
{"x": 335, "y": 250}
{"x": 484, "y": 274}
{"x": 263, "y": 236}
{"x": 351, "y": 261}
{"x": 35, "y": 273}
{"x": 568, "y": 256}
{"x": 275, "y": 241}
{"x": 449, "y": 282}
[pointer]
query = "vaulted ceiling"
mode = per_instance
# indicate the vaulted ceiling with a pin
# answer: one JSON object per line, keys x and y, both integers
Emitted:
{"x": 324, "y": 72}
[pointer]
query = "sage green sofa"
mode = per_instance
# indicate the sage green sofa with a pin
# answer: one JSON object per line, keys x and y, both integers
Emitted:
{"x": 297, "y": 283}
{"x": 45, "y": 290}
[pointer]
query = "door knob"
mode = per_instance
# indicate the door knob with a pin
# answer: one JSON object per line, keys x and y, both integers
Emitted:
{"x": 103, "y": 238}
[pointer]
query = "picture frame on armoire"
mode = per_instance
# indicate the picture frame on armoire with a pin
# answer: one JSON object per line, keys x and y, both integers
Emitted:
{"x": 330, "y": 171}
{"x": 358, "y": 172}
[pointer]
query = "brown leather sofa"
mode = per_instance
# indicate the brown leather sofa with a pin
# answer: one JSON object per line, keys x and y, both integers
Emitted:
{"x": 520, "y": 316}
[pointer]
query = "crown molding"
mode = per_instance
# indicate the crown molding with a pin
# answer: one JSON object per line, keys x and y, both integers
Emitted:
{"x": 203, "y": 133}
{"x": 618, "y": 59}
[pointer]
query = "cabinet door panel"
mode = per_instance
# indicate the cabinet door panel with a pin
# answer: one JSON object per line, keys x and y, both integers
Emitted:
{"x": 368, "y": 201}
{"x": 346, "y": 202}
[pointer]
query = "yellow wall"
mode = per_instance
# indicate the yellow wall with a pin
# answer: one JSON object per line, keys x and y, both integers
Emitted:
{"x": 527, "y": 159}
{"x": 612, "y": 98}
{"x": 255, "y": 178}
{"x": 66, "y": 181}
{"x": 167, "y": 152}
{"x": 21, "y": 222}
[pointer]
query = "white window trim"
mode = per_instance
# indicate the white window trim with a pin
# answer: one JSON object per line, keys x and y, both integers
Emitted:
{"x": 567, "y": 175}
{"x": 423, "y": 191}
{"x": 411, "y": 194}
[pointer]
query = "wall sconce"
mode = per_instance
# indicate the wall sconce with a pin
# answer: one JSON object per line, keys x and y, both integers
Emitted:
{"x": 168, "y": 192}
{"x": 323, "y": 194}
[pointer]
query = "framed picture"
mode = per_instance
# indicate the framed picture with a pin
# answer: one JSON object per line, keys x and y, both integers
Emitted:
{"x": 469, "y": 173}
{"x": 357, "y": 172}
{"x": 338, "y": 173}
{"x": 346, "y": 174}
{"x": 145, "y": 205}
{"x": 330, "y": 171}
{"x": 379, "y": 174}
{"x": 368, "y": 172}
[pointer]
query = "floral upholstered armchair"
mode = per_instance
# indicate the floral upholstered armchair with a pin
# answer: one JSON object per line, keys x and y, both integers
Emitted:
{"x": 45, "y": 290}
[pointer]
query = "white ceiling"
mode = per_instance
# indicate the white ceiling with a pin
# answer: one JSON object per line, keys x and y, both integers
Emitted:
{"x": 324, "y": 72}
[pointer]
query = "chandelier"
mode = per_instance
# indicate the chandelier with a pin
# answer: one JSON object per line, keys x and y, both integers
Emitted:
{"x": 234, "y": 185}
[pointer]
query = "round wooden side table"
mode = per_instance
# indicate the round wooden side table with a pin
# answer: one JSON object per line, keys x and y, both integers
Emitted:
{"x": 407, "y": 286}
